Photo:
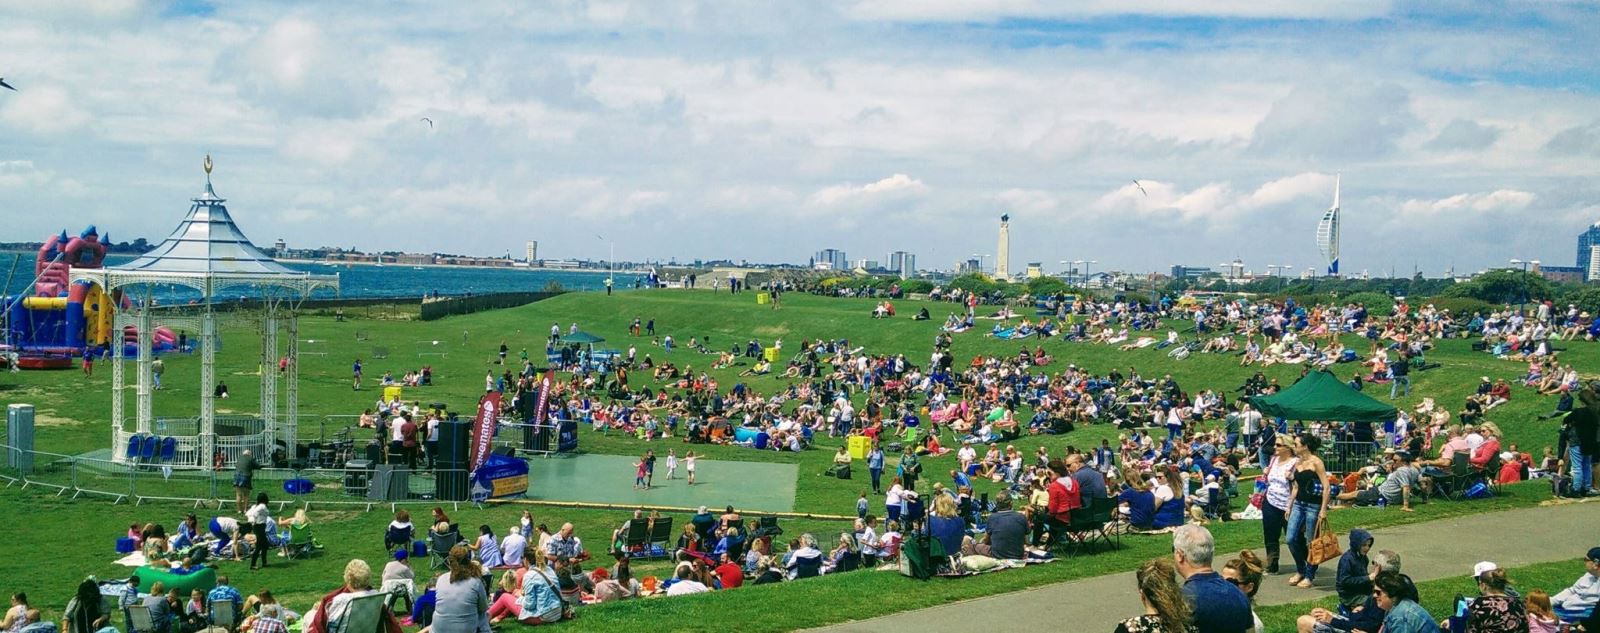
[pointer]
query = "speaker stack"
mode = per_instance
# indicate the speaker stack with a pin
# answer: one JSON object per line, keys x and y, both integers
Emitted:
{"x": 357, "y": 474}
{"x": 450, "y": 468}
{"x": 389, "y": 483}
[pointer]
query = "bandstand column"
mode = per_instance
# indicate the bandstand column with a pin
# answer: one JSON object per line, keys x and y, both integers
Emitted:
{"x": 290, "y": 429}
{"x": 118, "y": 448}
{"x": 208, "y": 386}
{"x": 144, "y": 359}
{"x": 269, "y": 378}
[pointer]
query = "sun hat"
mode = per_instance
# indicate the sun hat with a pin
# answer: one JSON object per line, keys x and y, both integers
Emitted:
{"x": 1485, "y": 567}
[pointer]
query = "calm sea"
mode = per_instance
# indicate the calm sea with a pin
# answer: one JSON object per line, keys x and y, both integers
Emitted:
{"x": 363, "y": 281}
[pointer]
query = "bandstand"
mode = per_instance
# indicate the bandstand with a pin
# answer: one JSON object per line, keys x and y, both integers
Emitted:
{"x": 208, "y": 254}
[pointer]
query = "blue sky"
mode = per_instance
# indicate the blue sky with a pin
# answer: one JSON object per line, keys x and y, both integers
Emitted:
{"x": 1466, "y": 133}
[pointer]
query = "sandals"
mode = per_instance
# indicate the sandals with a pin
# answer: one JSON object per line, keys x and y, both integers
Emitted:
{"x": 1295, "y": 580}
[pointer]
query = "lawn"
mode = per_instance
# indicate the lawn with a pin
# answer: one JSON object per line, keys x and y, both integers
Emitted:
{"x": 73, "y": 420}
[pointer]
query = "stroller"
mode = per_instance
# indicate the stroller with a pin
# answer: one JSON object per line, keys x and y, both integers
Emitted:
{"x": 1183, "y": 351}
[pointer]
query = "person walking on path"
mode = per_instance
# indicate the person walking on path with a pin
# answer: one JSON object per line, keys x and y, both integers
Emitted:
{"x": 1310, "y": 493}
{"x": 672, "y": 463}
{"x": 688, "y": 466}
{"x": 244, "y": 472}
{"x": 649, "y": 468}
{"x": 1275, "y": 502}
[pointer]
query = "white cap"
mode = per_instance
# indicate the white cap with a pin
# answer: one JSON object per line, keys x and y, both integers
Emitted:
{"x": 1482, "y": 568}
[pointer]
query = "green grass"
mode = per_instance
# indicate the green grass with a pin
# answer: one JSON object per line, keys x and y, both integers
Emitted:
{"x": 73, "y": 419}
{"x": 1438, "y": 596}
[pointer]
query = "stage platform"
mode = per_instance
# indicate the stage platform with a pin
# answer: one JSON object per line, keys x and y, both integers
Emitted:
{"x": 753, "y": 486}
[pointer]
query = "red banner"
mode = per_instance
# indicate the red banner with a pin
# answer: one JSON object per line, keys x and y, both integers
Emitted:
{"x": 483, "y": 429}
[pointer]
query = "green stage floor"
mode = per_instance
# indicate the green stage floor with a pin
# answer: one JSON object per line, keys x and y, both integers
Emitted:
{"x": 609, "y": 479}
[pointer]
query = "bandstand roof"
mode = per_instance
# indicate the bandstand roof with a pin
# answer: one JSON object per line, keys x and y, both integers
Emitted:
{"x": 208, "y": 251}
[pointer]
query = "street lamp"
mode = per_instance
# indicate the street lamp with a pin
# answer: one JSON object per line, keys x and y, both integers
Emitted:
{"x": 1085, "y": 263}
{"x": 1522, "y": 307}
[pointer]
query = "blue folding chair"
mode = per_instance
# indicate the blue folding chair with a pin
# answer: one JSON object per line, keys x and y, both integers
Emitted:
{"x": 134, "y": 442}
{"x": 169, "y": 448}
{"x": 147, "y": 449}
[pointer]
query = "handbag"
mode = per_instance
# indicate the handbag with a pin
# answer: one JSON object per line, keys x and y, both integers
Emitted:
{"x": 1324, "y": 546}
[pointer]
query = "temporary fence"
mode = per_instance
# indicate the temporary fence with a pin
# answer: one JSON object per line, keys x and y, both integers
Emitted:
{"x": 361, "y": 484}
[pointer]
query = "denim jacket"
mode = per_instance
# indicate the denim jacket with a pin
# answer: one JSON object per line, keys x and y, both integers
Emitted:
{"x": 541, "y": 596}
{"x": 1409, "y": 617}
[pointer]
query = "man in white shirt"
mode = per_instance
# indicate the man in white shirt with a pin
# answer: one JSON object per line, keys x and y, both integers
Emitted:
{"x": 966, "y": 455}
{"x": 512, "y": 546}
{"x": 686, "y": 584}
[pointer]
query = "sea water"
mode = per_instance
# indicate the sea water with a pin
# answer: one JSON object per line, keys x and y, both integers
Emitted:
{"x": 358, "y": 281}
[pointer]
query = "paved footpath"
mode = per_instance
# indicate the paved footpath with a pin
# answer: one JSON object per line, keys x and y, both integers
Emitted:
{"x": 1428, "y": 551}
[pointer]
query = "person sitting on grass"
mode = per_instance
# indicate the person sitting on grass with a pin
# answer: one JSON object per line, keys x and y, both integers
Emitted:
{"x": 1244, "y": 572}
{"x": 1577, "y": 602}
{"x": 1397, "y": 596}
{"x": 1165, "y": 610}
{"x": 1353, "y": 580}
{"x": 1367, "y": 617}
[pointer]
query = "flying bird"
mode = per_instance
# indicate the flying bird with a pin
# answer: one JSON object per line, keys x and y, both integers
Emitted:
{"x": 1141, "y": 188}
{"x": 430, "y": 122}
{"x": 3, "y": 84}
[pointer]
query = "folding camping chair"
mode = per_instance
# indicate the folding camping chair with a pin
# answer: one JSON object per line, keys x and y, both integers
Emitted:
{"x": 636, "y": 541}
{"x": 224, "y": 614}
{"x": 301, "y": 542}
{"x": 169, "y": 448}
{"x": 363, "y": 615}
{"x": 660, "y": 537}
{"x": 439, "y": 547}
{"x": 139, "y": 620}
{"x": 147, "y": 448}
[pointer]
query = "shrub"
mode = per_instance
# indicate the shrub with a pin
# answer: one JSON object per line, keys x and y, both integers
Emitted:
{"x": 1377, "y": 304}
{"x": 1463, "y": 307}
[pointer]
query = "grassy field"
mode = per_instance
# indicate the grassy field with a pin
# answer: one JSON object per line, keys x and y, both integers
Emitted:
{"x": 73, "y": 419}
{"x": 1438, "y": 596}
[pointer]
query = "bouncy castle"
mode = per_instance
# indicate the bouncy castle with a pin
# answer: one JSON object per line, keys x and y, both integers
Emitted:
{"x": 64, "y": 319}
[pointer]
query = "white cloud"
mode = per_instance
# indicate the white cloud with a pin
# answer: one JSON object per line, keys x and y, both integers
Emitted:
{"x": 892, "y": 187}
{"x": 968, "y": 10}
{"x": 1498, "y": 201}
{"x": 44, "y": 110}
{"x": 1216, "y": 204}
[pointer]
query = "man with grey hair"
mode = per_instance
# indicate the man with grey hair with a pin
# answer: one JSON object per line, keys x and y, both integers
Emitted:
{"x": 1216, "y": 605}
{"x": 1368, "y": 617}
{"x": 269, "y": 620}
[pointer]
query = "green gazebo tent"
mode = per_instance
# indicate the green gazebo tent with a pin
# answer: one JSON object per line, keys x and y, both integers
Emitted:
{"x": 1321, "y": 396}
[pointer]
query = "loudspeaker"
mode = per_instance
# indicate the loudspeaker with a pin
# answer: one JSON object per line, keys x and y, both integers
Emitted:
{"x": 389, "y": 483}
{"x": 454, "y": 440}
{"x": 450, "y": 474}
{"x": 356, "y": 474}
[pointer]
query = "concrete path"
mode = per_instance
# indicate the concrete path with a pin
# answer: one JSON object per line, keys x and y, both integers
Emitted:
{"x": 1428, "y": 551}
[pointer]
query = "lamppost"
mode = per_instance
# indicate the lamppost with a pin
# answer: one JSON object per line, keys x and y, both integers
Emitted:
{"x": 1085, "y": 263}
{"x": 1522, "y": 306}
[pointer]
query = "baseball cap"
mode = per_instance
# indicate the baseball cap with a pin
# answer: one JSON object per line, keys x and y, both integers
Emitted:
{"x": 400, "y": 554}
{"x": 1594, "y": 554}
{"x": 1485, "y": 567}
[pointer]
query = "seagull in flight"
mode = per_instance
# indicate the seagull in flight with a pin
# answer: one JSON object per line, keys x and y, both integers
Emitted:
{"x": 430, "y": 122}
{"x": 1141, "y": 188}
{"x": 3, "y": 84}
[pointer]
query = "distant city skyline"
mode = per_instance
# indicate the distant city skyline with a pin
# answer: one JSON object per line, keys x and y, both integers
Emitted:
{"x": 1139, "y": 135}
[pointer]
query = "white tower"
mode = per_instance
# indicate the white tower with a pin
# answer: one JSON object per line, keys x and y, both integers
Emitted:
{"x": 1328, "y": 232}
{"x": 1002, "y": 257}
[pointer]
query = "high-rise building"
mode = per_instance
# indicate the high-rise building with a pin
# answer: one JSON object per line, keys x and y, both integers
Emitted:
{"x": 1035, "y": 270}
{"x": 903, "y": 263}
{"x": 533, "y": 251}
{"x": 1587, "y": 240}
{"x": 866, "y": 264}
{"x": 1179, "y": 271}
{"x": 1593, "y": 270}
{"x": 833, "y": 258}
{"x": 1002, "y": 256}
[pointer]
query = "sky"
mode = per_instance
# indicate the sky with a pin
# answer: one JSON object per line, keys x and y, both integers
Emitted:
{"x": 1465, "y": 133}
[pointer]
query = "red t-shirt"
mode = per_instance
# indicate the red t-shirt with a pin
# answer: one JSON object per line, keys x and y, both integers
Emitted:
{"x": 730, "y": 575}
